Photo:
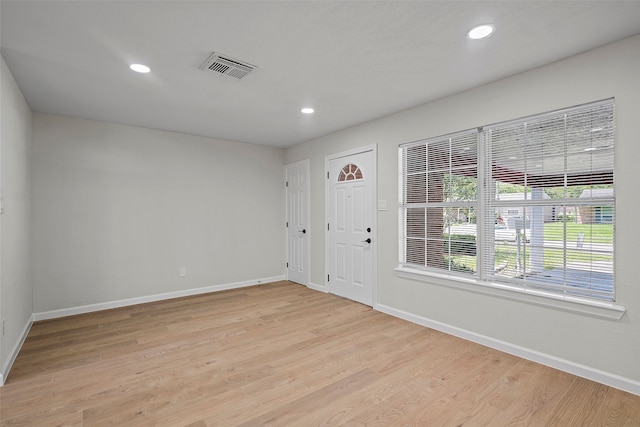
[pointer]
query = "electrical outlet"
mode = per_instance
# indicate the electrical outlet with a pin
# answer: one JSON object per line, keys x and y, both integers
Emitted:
{"x": 182, "y": 272}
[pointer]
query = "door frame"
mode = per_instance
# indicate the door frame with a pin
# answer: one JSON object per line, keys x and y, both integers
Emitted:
{"x": 307, "y": 201}
{"x": 327, "y": 193}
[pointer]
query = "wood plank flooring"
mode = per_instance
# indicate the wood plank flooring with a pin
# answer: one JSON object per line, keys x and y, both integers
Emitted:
{"x": 280, "y": 354}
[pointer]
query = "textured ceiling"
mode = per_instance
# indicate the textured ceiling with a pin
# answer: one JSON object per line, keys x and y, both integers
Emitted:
{"x": 352, "y": 61}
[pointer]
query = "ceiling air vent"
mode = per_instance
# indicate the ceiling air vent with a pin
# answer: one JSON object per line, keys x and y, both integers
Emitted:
{"x": 223, "y": 64}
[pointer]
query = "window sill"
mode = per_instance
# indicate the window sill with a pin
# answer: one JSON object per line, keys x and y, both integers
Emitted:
{"x": 602, "y": 309}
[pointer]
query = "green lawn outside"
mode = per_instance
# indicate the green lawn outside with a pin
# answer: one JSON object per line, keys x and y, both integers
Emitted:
{"x": 553, "y": 258}
{"x": 593, "y": 233}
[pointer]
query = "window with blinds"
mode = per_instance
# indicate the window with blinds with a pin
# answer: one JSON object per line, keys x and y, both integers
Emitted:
{"x": 528, "y": 203}
{"x": 440, "y": 202}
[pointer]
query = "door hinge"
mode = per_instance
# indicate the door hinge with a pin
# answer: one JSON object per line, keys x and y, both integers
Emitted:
{"x": 327, "y": 175}
{"x": 286, "y": 184}
{"x": 287, "y": 224}
{"x": 287, "y": 265}
{"x": 327, "y": 226}
{"x": 327, "y": 277}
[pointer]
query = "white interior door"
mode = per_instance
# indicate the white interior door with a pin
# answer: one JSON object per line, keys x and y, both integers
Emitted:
{"x": 297, "y": 185}
{"x": 351, "y": 225}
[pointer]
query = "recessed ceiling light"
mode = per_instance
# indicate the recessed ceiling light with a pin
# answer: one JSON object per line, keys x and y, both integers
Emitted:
{"x": 480, "y": 32}
{"x": 307, "y": 110}
{"x": 140, "y": 68}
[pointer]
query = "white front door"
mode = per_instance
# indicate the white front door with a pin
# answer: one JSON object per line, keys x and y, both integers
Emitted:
{"x": 297, "y": 224}
{"x": 351, "y": 240}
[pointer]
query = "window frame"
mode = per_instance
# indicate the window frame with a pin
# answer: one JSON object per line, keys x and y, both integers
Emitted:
{"x": 482, "y": 281}
{"x": 438, "y": 181}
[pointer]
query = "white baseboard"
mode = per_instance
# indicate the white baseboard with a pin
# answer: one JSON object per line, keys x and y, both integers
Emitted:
{"x": 53, "y": 314}
{"x": 317, "y": 287}
{"x": 14, "y": 352}
{"x": 593, "y": 374}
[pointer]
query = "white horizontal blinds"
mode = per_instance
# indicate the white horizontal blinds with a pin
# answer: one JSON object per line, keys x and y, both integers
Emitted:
{"x": 414, "y": 190}
{"x": 439, "y": 203}
{"x": 553, "y": 199}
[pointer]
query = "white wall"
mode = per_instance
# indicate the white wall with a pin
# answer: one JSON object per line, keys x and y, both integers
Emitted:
{"x": 119, "y": 209}
{"x": 15, "y": 222}
{"x": 611, "y": 346}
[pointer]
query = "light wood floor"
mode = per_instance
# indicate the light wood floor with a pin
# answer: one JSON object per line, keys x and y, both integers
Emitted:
{"x": 280, "y": 354}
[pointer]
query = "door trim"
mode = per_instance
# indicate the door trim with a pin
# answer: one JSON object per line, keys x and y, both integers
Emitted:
{"x": 327, "y": 193}
{"x": 307, "y": 201}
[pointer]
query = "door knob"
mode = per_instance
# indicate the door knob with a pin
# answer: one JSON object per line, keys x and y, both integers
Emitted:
{"x": 303, "y": 231}
{"x": 368, "y": 229}
{"x": 367, "y": 241}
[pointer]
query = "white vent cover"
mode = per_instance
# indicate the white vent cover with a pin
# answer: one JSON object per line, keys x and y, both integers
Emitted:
{"x": 223, "y": 64}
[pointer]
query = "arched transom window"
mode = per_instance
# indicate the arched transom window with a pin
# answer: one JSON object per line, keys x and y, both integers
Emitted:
{"x": 350, "y": 172}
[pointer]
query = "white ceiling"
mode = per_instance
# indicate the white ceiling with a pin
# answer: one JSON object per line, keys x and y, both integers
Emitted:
{"x": 352, "y": 61}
